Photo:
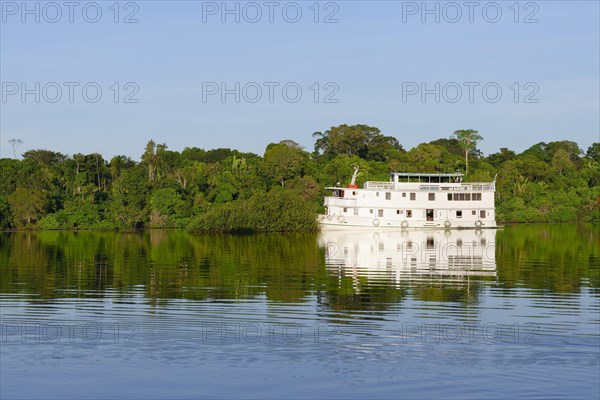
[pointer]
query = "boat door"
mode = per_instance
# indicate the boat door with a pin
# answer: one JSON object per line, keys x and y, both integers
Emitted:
{"x": 429, "y": 214}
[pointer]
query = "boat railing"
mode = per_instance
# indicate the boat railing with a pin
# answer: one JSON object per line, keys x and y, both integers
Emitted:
{"x": 475, "y": 187}
{"x": 380, "y": 185}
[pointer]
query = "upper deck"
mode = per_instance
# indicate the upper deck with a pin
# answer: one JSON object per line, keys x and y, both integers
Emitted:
{"x": 427, "y": 182}
{"x": 419, "y": 177}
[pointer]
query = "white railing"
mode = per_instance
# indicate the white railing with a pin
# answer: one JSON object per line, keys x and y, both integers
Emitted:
{"x": 479, "y": 187}
{"x": 379, "y": 185}
{"x": 340, "y": 202}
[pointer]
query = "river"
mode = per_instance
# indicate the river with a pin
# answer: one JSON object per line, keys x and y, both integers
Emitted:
{"x": 513, "y": 313}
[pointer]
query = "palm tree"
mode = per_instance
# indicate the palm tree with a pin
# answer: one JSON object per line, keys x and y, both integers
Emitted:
{"x": 467, "y": 140}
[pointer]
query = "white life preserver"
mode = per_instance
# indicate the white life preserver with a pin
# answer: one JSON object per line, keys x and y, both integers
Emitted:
{"x": 329, "y": 217}
{"x": 404, "y": 224}
{"x": 447, "y": 224}
{"x": 375, "y": 222}
{"x": 478, "y": 224}
{"x": 341, "y": 218}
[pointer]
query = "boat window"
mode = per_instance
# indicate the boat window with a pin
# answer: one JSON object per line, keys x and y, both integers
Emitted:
{"x": 371, "y": 211}
{"x": 474, "y": 212}
{"x": 356, "y": 211}
{"x": 462, "y": 196}
{"x": 430, "y": 243}
{"x": 482, "y": 214}
{"x": 377, "y": 194}
{"x": 388, "y": 195}
{"x": 345, "y": 209}
{"x": 409, "y": 213}
{"x": 353, "y": 193}
{"x": 459, "y": 214}
{"x": 431, "y": 196}
{"x": 398, "y": 211}
{"x": 459, "y": 242}
{"x": 403, "y": 194}
{"x": 477, "y": 196}
{"x": 380, "y": 213}
{"x": 449, "y": 196}
{"x": 413, "y": 196}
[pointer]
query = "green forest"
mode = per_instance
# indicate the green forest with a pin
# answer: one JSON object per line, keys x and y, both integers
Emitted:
{"x": 225, "y": 190}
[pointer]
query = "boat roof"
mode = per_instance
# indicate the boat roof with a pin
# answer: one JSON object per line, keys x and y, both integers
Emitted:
{"x": 422, "y": 174}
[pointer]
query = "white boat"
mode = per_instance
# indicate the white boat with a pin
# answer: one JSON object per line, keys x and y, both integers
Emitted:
{"x": 411, "y": 200}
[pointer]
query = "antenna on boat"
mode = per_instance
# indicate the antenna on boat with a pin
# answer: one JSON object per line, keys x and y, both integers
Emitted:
{"x": 354, "y": 175}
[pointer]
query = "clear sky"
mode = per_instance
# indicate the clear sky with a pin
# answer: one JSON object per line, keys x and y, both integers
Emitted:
{"x": 388, "y": 64}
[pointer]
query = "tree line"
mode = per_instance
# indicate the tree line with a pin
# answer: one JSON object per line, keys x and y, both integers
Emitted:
{"x": 223, "y": 190}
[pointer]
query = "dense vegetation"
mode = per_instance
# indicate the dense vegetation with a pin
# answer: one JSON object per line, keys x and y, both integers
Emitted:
{"x": 227, "y": 190}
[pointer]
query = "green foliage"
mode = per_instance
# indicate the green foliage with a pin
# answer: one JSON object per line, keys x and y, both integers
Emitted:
{"x": 5, "y": 217}
{"x": 45, "y": 157}
{"x": 276, "y": 211}
{"x": 467, "y": 140}
{"x": 27, "y": 205}
{"x": 359, "y": 140}
{"x": 168, "y": 209}
{"x": 226, "y": 190}
{"x": 593, "y": 152}
{"x": 283, "y": 162}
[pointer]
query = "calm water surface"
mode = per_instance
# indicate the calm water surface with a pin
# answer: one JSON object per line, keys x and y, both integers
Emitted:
{"x": 165, "y": 314}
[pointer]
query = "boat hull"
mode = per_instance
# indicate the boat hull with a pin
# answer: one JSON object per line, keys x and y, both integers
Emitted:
{"x": 335, "y": 222}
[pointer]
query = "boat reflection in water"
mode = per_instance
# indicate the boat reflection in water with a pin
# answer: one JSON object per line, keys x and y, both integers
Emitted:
{"x": 448, "y": 256}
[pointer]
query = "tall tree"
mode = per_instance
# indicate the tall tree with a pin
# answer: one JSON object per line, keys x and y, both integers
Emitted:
{"x": 151, "y": 160}
{"x": 27, "y": 205}
{"x": 283, "y": 162}
{"x": 15, "y": 143}
{"x": 45, "y": 157}
{"x": 467, "y": 140}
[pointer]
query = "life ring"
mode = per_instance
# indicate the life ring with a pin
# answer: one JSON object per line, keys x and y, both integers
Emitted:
{"x": 375, "y": 222}
{"x": 478, "y": 224}
{"x": 447, "y": 224}
{"x": 329, "y": 217}
{"x": 341, "y": 218}
{"x": 404, "y": 224}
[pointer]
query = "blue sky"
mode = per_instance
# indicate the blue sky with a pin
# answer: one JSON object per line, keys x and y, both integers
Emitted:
{"x": 374, "y": 61}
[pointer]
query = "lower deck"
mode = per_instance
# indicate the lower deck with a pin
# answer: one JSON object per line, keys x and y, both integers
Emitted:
{"x": 427, "y": 218}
